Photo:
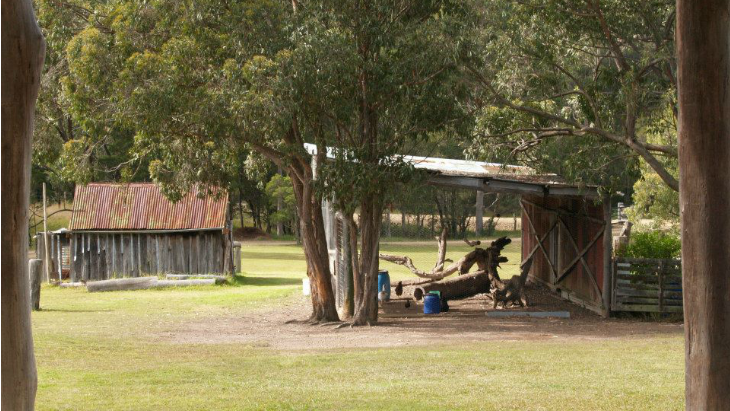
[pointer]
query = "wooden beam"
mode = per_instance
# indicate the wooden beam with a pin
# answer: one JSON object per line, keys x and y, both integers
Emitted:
{"x": 469, "y": 183}
{"x": 588, "y": 192}
{"x": 513, "y": 187}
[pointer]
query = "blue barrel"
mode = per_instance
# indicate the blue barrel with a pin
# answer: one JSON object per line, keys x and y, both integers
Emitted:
{"x": 384, "y": 283}
{"x": 431, "y": 304}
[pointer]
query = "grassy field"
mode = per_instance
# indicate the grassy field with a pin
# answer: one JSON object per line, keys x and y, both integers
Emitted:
{"x": 109, "y": 351}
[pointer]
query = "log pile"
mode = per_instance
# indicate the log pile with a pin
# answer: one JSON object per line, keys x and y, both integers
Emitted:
{"x": 485, "y": 280}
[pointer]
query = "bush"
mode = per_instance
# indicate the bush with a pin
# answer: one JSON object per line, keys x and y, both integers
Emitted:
{"x": 652, "y": 245}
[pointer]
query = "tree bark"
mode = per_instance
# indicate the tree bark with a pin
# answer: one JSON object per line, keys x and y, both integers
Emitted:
{"x": 23, "y": 49}
{"x": 703, "y": 52}
{"x": 366, "y": 306}
{"x": 314, "y": 243}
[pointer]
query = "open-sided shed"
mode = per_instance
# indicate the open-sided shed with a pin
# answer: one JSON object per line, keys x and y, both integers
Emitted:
{"x": 130, "y": 230}
{"x": 566, "y": 228}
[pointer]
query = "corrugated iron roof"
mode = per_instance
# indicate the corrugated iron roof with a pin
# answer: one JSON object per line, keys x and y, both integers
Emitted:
{"x": 469, "y": 168}
{"x": 141, "y": 206}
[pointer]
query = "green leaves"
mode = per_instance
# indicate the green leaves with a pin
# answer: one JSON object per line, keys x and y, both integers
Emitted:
{"x": 566, "y": 75}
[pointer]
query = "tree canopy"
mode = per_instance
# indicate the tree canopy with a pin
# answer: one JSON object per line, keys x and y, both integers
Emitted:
{"x": 576, "y": 88}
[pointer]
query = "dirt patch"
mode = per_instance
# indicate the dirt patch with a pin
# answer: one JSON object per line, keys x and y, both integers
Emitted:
{"x": 466, "y": 321}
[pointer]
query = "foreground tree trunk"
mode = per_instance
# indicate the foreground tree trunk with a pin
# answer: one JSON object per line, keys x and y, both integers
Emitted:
{"x": 703, "y": 52}
{"x": 22, "y": 60}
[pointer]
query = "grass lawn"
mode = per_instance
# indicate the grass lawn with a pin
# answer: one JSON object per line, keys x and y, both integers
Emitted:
{"x": 108, "y": 351}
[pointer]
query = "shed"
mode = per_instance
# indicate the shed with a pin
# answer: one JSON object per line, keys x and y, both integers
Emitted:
{"x": 131, "y": 230}
{"x": 566, "y": 228}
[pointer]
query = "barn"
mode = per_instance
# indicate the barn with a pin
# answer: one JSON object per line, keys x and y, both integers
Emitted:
{"x": 566, "y": 228}
{"x": 131, "y": 230}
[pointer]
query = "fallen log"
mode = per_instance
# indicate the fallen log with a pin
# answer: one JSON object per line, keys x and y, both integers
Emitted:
{"x": 465, "y": 285}
{"x": 121, "y": 284}
{"x": 456, "y": 288}
{"x": 182, "y": 283}
{"x": 220, "y": 278}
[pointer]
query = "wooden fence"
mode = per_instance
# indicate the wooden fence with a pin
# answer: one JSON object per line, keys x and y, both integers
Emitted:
{"x": 647, "y": 285}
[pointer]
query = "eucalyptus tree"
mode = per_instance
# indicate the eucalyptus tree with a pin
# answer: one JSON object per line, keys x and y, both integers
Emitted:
{"x": 574, "y": 86}
{"x": 198, "y": 81}
{"x": 373, "y": 77}
{"x": 194, "y": 82}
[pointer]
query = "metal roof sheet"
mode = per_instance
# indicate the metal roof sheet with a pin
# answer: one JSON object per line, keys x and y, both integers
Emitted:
{"x": 141, "y": 206}
{"x": 469, "y": 168}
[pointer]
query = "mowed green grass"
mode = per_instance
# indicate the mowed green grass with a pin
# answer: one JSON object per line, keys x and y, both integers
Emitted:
{"x": 107, "y": 351}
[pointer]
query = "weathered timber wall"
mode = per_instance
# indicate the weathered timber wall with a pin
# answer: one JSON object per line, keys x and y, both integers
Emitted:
{"x": 561, "y": 219}
{"x": 99, "y": 256}
{"x": 58, "y": 252}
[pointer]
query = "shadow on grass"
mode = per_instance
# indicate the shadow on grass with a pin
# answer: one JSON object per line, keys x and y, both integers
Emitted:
{"x": 240, "y": 280}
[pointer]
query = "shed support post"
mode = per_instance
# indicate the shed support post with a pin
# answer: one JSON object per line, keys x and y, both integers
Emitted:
{"x": 479, "y": 213}
{"x": 607, "y": 256}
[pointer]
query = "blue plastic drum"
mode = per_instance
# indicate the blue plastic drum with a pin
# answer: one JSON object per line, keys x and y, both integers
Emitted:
{"x": 431, "y": 304}
{"x": 384, "y": 283}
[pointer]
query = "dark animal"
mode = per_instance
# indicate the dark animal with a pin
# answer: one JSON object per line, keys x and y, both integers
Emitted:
{"x": 399, "y": 288}
{"x": 444, "y": 305}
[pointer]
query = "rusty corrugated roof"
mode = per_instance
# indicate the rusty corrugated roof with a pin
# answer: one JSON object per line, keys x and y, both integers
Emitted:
{"x": 141, "y": 206}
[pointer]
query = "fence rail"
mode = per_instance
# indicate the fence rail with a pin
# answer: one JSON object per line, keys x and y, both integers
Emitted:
{"x": 647, "y": 285}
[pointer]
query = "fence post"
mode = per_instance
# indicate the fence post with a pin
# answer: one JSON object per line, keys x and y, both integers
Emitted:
{"x": 236, "y": 257}
{"x": 35, "y": 271}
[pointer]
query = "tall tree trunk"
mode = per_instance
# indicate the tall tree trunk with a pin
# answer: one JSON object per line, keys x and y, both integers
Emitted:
{"x": 240, "y": 208}
{"x": 314, "y": 243}
{"x": 23, "y": 49}
{"x": 703, "y": 51}
{"x": 279, "y": 207}
{"x": 366, "y": 306}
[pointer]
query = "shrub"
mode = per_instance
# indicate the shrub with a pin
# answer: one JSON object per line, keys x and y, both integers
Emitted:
{"x": 652, "y": 245}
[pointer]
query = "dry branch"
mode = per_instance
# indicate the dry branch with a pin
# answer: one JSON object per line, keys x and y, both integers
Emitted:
{"x": 463, "y": 286}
